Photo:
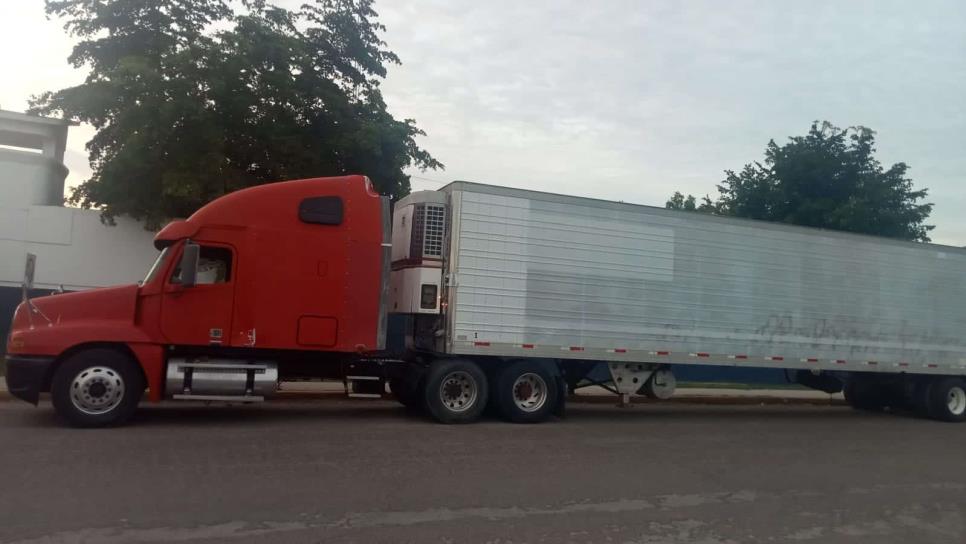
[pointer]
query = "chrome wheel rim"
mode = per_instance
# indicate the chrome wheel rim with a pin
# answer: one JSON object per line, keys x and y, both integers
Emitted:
{"x": 529, "y": 392}
{"x": 458, "y": 391}
{"x": 97, "y": 390}
{"x": 956, "y": 401}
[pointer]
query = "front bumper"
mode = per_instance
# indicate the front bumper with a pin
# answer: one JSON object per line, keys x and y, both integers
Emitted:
{"x": 27, "y": 376}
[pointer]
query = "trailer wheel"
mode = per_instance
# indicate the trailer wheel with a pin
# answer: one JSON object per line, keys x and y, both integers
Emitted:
{"x": 97, "y": 388}
{"x": 454, "y": 391}
{"x": 919, "y": 397}
{"x": 865, "y": 395}
{"x": 947, "y": 399}
{"x": 525, "y": 392}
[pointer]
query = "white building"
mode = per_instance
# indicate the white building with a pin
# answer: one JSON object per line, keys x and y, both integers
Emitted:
{"x": 74, "y": 249}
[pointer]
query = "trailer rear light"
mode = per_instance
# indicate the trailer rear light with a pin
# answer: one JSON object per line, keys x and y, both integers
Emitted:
{"x": 427, "y": 296}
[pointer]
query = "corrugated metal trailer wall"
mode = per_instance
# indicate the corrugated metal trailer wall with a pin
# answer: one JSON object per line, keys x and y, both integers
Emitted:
{"x": 537, "y": 274}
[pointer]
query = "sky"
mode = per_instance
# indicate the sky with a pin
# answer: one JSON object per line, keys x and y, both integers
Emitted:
{"x": 632, "y": 100}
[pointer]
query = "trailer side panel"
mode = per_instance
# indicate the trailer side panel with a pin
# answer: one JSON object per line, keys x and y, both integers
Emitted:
{"x": 548, "y": 275}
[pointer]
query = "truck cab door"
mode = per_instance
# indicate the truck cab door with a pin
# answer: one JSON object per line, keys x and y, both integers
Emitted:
{"x": 200, "y": 314}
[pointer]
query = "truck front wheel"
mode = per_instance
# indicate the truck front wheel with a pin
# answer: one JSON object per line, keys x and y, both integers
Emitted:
{"x": 454, "y": 391}
{"x": 97, "y": 388}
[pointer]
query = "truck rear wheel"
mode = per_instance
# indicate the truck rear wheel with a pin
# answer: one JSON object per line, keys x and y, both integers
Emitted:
{"x": 406, "y": 393}
{"x": 947, "y": 399}
{"x": 455, "y": 391}
{"x": 97, "y": 388}
{"x": 525, "y": 392}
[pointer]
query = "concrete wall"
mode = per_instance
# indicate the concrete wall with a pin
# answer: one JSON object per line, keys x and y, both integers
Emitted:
{"x": 73, "y": 248}
{"x": 30, "y": 179}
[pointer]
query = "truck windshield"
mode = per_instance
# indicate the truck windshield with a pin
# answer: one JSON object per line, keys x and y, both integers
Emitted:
{"x": 155, "y": 267}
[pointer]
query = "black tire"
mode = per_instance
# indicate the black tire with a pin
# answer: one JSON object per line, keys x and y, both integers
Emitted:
{"x": 105, "y": 381}
{"x": 406, "y": 393}
{"x": 532, "y": 381}
{"x": 866, "y": 395}
{"x": 947, "y": 399}
{"x": 463, "y": 386}
{"x": 919, "y": 401}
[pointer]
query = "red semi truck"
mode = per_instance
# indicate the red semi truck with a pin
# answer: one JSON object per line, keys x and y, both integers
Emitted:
{"x": 500, "y": 297}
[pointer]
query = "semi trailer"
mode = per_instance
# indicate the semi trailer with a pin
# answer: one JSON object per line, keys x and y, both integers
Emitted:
{"x": 478, "y": 296}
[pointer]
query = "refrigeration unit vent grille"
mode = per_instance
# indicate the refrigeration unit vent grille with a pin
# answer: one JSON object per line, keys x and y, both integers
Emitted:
{"x": 429, "y": 224}
{"x": 433, "y": 239}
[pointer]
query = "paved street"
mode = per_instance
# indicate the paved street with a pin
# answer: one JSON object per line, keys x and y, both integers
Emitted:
{"x": 365, "y": 471}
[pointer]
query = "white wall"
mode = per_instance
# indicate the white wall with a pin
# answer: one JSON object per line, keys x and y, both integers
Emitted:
{"x": 30, "y": 179}
{"x": 73, "y": 248}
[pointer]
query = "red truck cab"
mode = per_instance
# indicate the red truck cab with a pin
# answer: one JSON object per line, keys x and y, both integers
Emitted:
{"x": 293, "y": 273}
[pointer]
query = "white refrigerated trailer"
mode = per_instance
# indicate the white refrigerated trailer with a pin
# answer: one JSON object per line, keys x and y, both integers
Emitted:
{"x": 494, "y": 278}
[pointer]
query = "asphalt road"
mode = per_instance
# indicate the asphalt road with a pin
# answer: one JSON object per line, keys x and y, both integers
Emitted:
{"x": 365, "y": 471}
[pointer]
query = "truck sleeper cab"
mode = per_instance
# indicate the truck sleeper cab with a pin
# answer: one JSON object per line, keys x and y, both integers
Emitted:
{"x": 291, "y": 274}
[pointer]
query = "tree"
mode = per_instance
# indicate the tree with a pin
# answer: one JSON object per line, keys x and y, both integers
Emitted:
{"x": 689, "y": 204}
{"x": 185, "y": 112}
{"x": 828, "y": 178}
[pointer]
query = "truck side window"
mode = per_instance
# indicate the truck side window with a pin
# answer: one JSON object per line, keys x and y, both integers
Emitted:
{"x": 322, "y": 210}
{"x": 214, "y": 266}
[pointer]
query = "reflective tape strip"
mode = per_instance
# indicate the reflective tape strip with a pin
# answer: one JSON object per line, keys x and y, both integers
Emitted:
{"x": 617, "y": 350}
{"x": 840, "y": 361}
{"x": 527, "y": 346}
{"x": 702, "y": 354}
{"x": 481, "y": 344}
{"x": 775, "y": 358}
{"x": 742, "y": 357}
{"x": 810, "y": 360}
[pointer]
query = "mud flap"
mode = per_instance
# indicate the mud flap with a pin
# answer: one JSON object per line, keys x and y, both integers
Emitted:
{"x": 561, "y": 408}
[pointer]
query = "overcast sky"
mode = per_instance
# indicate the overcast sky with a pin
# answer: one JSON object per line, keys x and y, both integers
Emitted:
{"x": 632, "y": 100}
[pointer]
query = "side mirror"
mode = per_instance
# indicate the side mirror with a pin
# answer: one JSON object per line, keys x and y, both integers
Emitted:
{"x": 189, "y": 264}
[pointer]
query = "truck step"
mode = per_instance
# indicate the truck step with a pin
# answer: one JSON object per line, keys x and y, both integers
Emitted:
{"x": 225, "y": 365}
{"x": 351, "y": 380}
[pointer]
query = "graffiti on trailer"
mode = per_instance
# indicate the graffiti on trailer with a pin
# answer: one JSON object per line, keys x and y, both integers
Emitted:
{"x": 839, "y": 328}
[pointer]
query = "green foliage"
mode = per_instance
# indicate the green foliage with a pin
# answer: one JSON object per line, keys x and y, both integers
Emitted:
{"x": 828, "y": 178}
{"x": 192, "y": 100}
{"x": 689, "y": 203}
